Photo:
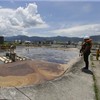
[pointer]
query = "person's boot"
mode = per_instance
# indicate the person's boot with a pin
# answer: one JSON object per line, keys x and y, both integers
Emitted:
{"x": 86, "y": 67}
{"x": 87, "y": 64}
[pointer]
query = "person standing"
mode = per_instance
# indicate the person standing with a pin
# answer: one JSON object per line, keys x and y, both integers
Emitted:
{"x": 97, "y": 54}
{"x": 86, "y": 50}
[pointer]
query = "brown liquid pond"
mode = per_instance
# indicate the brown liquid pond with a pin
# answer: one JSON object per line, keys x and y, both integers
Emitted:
{"x": 28, "y": 72}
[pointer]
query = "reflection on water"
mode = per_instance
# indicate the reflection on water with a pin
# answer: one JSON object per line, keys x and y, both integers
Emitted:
{"x": 47, "y": 54}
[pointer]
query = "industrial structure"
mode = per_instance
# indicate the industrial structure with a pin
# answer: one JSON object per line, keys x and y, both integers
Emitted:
{"x": 1, "y": 39}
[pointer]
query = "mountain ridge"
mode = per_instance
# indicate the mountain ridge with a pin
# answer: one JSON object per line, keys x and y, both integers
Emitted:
{"x": 56, "y": 38}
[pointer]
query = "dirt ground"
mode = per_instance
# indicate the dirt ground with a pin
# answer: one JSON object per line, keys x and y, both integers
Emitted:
{"x": 28, "y": 72}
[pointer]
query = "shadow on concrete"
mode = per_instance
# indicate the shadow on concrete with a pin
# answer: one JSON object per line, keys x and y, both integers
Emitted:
{"x": 87, "y": 71}
{"x": 3, "y": 99}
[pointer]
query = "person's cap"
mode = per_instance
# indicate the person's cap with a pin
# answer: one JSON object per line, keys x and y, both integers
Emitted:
{"x": 86, "y": 37}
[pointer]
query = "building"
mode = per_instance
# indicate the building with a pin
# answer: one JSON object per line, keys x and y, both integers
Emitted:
{"x": 1, "y": 39}
{"x": 27, "y": 42}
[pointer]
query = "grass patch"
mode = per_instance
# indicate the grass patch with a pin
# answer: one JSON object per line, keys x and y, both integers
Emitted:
{"x": 96, "y": 88}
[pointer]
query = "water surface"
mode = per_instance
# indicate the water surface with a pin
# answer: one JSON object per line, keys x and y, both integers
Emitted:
{"x": 47, "y": 54}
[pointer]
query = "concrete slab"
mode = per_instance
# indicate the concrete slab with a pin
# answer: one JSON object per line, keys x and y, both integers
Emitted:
{"x": 75, "y": 84}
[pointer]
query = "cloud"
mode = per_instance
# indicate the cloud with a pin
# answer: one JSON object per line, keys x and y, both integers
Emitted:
{"x": 79, "y": 31}
{"x": 17, "y": 20}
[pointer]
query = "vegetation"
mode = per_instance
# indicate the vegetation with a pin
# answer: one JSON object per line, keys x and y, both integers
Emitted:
{"x": 6, "y": 45}
{"x": 96, "y": 88}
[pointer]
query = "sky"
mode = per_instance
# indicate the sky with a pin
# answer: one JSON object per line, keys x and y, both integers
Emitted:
{"x": 47, "y": 18}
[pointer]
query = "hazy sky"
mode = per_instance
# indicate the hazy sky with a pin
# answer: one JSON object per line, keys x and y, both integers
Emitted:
{"x": 49, "y": 17}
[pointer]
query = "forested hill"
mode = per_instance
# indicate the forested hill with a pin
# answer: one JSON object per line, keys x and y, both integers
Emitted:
{"x": 57, "y": 38}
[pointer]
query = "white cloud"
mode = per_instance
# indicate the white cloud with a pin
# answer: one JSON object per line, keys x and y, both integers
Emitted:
{"x": 14, "y": 21}
{"x": 79, "y": 31}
